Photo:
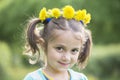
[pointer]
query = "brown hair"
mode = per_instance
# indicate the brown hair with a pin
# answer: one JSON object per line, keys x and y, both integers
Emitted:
{"x": 47, "y": 33}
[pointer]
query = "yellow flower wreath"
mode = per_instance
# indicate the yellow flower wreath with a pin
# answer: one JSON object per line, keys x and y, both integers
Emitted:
{"x": 67, "y": 12}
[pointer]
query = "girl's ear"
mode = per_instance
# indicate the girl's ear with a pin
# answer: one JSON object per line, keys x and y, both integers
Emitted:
{"x": 41, "y": 41}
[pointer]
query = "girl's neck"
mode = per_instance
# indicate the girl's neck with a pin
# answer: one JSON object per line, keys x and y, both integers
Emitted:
{"x": 57, "y": 75}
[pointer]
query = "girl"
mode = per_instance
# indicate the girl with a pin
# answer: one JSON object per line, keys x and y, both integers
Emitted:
{"x": 64, "y": 40}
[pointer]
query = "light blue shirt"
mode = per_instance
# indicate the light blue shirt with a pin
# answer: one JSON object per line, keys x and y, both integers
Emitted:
{"x": 38, "y": 75}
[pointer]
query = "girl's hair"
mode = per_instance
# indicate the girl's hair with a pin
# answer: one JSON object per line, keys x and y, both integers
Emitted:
{"x": 48, "y": 33}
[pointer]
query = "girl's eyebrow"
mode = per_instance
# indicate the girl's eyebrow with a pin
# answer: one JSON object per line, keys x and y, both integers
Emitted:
{"x": 76, "y": 48}
{"x": 62, "y": 45}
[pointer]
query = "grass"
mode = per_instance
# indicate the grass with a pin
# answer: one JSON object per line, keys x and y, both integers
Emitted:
{"x": 105, "y": 50}
{"x": 4, "y": 3}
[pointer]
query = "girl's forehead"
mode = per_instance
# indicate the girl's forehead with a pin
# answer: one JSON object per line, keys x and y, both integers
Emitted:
{"x": 64, "y": 36}
{"x": 68, "y": 33}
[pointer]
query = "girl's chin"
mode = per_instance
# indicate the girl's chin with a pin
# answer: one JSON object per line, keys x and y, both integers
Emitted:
{"x": 62, "y": 69}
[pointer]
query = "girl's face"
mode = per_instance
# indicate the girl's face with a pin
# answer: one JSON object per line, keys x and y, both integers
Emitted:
{"x": 63, "y": 51}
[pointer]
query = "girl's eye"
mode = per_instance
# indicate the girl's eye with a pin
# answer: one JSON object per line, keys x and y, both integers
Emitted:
{"x": 59, "y": 49}
{"x": 75, "y": 51}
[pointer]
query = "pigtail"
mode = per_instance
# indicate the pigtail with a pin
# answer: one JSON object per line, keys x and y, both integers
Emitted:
{"x": 32, "y": 50}
{"x": 86, "y": 49}
{"x": 31, "y": 37}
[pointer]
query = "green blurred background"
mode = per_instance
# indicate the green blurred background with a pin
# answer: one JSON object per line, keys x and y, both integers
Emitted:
{"x": 104, "y": 62}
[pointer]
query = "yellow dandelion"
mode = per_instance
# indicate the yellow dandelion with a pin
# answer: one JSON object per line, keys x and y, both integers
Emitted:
{"x": 83, "y": 14}
{"x": 80, "y": 15}
{"x": 87, "y": 19}
{"x": 68, "y": 12}
{"x": 55, "y": 12}
{"x": 49, "y": 13}
{"x": 43, "y": 14}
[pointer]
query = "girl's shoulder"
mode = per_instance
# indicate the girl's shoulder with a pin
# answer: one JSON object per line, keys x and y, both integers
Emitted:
{"x": 76, "y": 75}
{"x": 35, "y": 75}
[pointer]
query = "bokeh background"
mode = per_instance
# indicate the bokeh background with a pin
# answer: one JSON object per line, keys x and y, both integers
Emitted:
{"x": 104, "y": 62}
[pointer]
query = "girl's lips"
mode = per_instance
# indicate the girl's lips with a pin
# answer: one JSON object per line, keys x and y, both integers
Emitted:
{"x": 64, "y": 64}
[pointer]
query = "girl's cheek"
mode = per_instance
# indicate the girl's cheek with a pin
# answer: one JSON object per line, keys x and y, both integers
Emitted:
{"x": 74, "y": 59}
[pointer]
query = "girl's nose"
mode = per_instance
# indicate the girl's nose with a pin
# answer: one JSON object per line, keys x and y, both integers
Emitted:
{"x": 66, "y": 57}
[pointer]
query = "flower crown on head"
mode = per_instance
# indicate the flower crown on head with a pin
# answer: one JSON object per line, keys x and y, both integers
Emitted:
{"x": 67, "y": 12}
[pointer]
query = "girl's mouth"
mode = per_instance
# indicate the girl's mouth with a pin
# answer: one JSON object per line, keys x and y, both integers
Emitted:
{"x": 63, "y": 64}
